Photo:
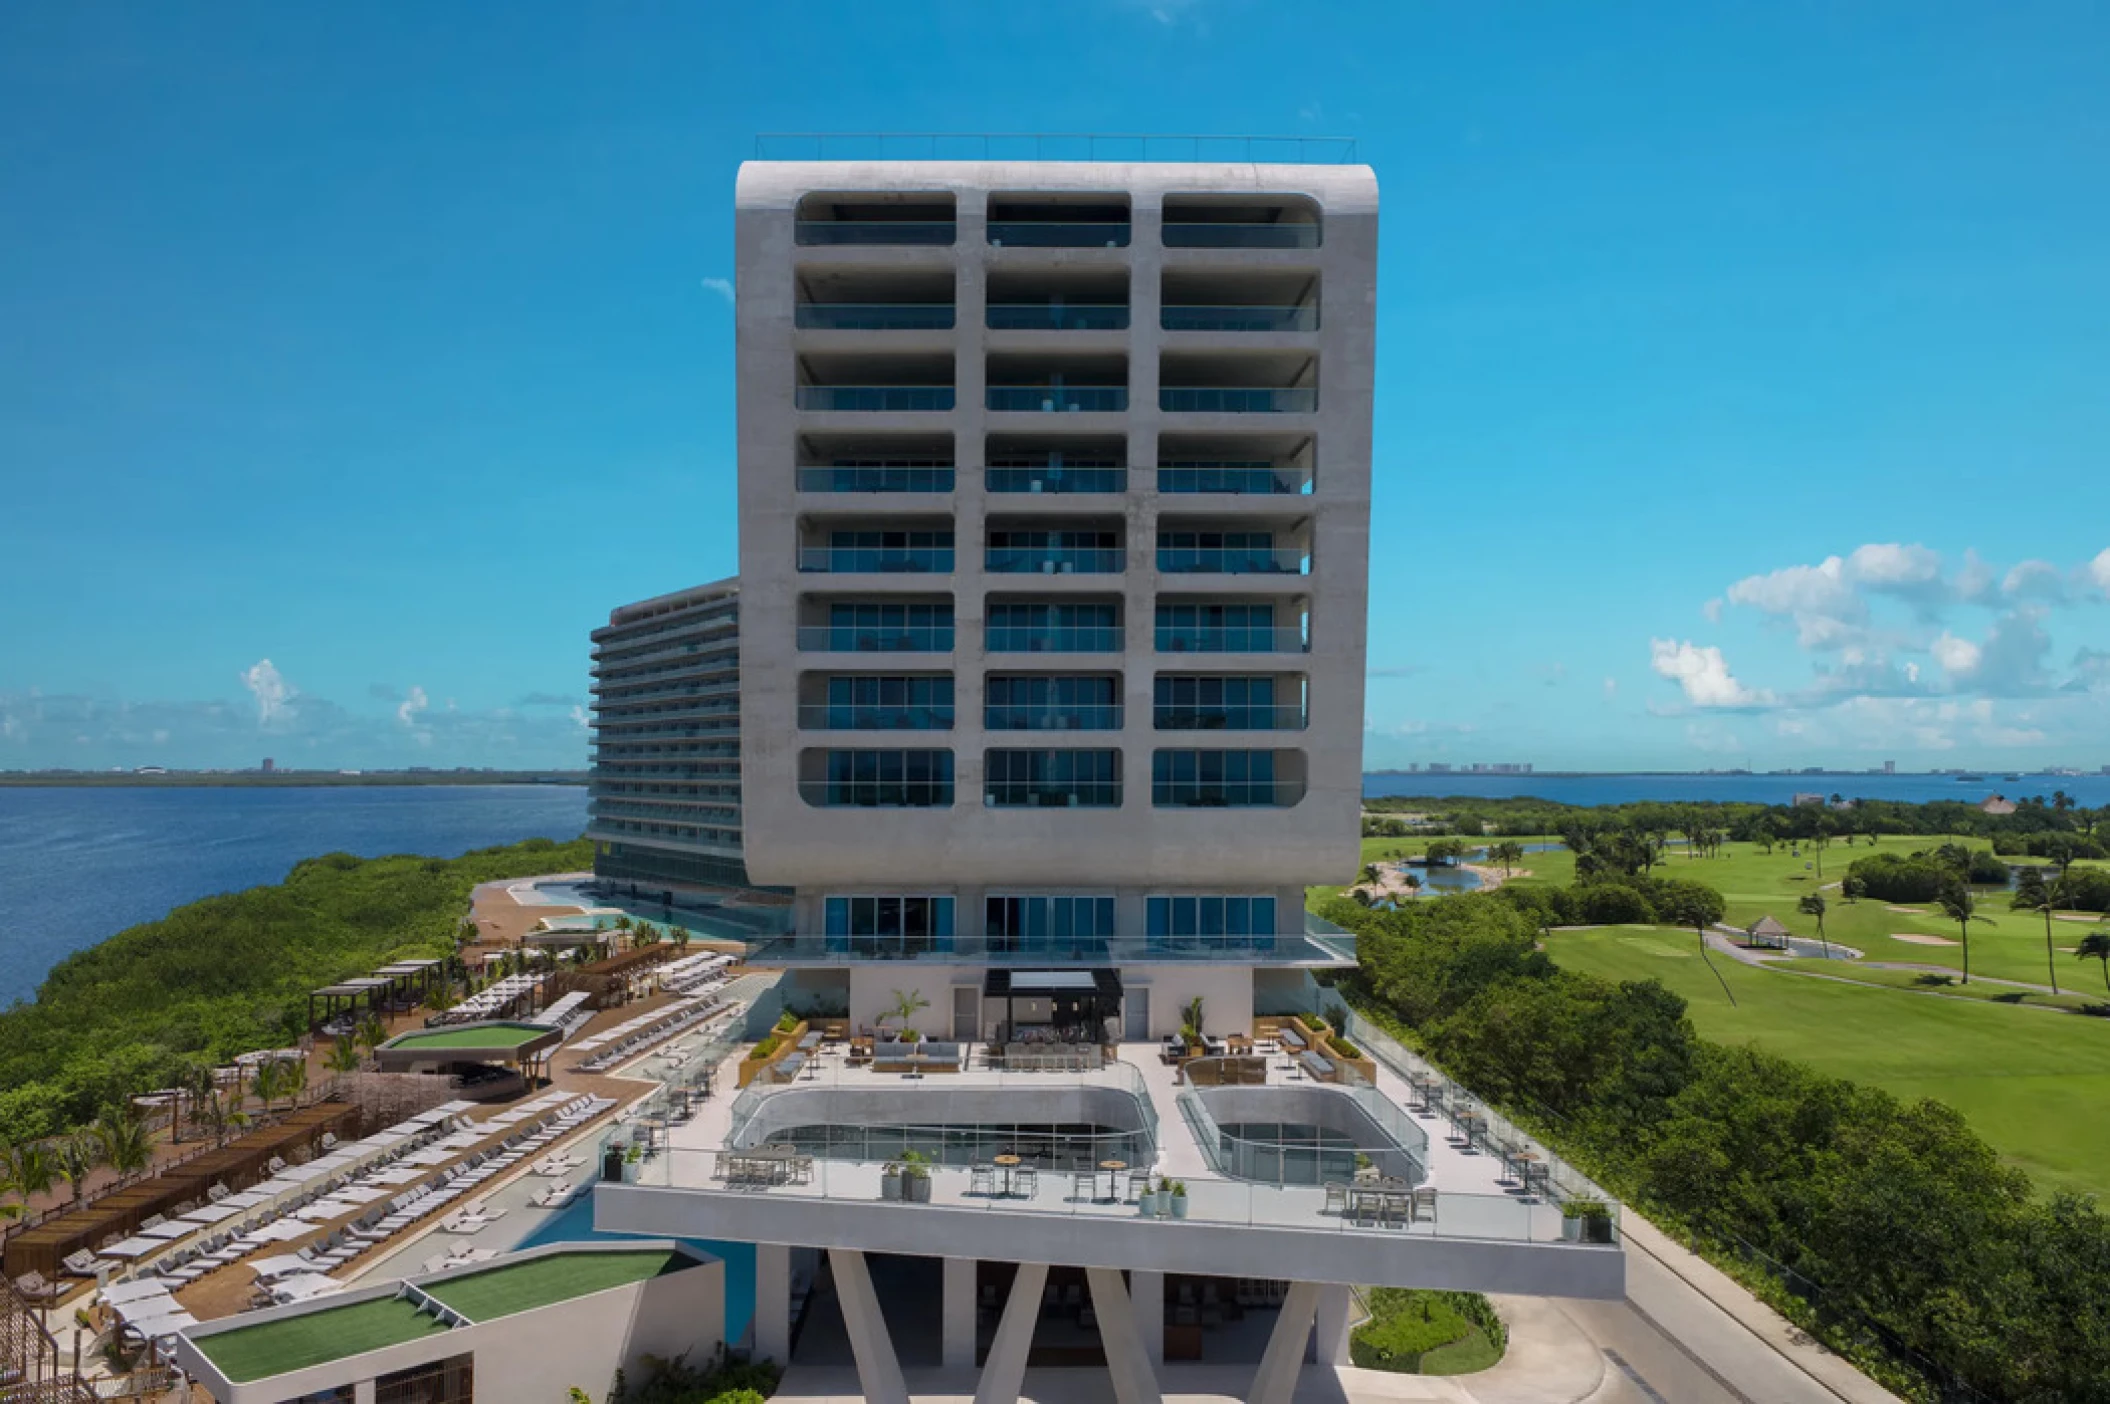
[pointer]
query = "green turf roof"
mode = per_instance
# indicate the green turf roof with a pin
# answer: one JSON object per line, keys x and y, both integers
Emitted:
{"x": 279, "y": 1347}
{"x": 541, "y": 1282}
{"x": 473, "y": 1036}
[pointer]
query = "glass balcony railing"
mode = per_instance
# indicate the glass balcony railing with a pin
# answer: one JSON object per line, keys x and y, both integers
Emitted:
{"x": 933, "y": 560}
{"x": 874, "y": 316}
{"x": 847, "y": 638}
{"x": 1040, "y": 316}
{"x": 1089, "y": 399}
{"x": 1230, "y": 560}
{"x": 1247, "y": 319}
{"x": 1000, "y": 717}
{"x": 1057, "y": 234}
{"x": 829, "y": 716}
{"x": 1242, "y": 717}
{"x": 1053, "y": 560}
{"x": 1238, "y": 399}
{"x": 1081, "y": 638}
{"x": 1241, "y": 236}
{"x": 1285, "y": 949}
{"x": 1234, "y": 638}
{"x": 1244, "y": 479}
{"x": 877, "y": 794}
{"x": 876, "y": 398}
{"x": 876, "y": 478}
{"x": 1051, "y": 479}
{"x": 1041, "y": 794}
{"x": 1225, "y": 794}
{"x": 877, "y": 231}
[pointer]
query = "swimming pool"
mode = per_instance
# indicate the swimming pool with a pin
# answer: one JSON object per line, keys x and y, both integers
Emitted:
{"x": 575, "y": 1225}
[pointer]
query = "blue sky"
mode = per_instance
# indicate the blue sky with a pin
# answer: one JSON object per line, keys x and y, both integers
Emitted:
{"x": 1741, "y": 383}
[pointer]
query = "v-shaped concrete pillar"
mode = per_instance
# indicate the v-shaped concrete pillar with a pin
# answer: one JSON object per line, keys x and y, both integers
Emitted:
{"x": 1276, "y": 1379}
{"x": 1134, "y": 1381}
{"x": 1004, "y": 1372}
{"x": 878, "y": 1368}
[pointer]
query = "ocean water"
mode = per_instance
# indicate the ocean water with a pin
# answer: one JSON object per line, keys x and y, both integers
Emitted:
{"x": 2090, "y": 790}
{"x": 77, "y": 865}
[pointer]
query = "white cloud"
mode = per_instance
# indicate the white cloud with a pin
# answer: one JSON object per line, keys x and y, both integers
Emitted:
{"x": 721, "y": 286}
{"x": 413, "y": 703}
{"x": 1712, "y": 610}
{"x": 1798, "y": 591}
{"x": 2099, "y": 571}
{"x": 274, "y": 695}
{"x": 1611, "y": 687}
{"x": 1956, "y": 656}
{"x": 2035, "y": 580}
{"x": 578, "y": 716}
{"x": 1703, "y": 674}
{"x": 1890, "y": 566}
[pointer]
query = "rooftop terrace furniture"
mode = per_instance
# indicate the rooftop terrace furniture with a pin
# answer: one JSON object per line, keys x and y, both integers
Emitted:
{"x": 1320, "y": 1069}
{"x": 1291, "y": 1039}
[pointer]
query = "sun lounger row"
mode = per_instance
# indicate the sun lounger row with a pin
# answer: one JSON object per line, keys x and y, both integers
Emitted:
{"x": 661, "y": 1026}
{"x": 489, "y": 1003}
{"x": 687, "y": 975}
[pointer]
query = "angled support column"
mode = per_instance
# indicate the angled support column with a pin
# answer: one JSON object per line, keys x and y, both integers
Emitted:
{"x": 1134, "y": 1381}
{"x": 957, "y": 1316}
{"x": 1148, "y": 1290}
{"x": 1336, "y": 1305}
{"x": 1004, "y": 1373}
{"x": 878, "y": 1369}
{"x": 1276, "y": 1379}
{"x": 773, "y": 1302}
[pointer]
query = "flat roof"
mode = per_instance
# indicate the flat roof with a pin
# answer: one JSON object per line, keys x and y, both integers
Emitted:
{"x": 541, "y": 1282}
{"x": 499, "y": 1035}
{"x": 315, "y": 1338}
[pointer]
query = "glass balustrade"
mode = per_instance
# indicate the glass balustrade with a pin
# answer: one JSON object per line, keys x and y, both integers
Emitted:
{"x": 845, "y": 638}
{"x": 1041, "y": 794}
{"x": 1231, "y": 560}
{"x": 1053, "y": 560}
{"x": 874, "y": 316}
{"x": 1235, "y": 638}
{"x": 1237, "y": 319}
{"x": 829, "y": 716}
{"x": 1079, "y": 638}
{"x": 1241, "y": 236}
{"x": 1056, "y": 479}
{"x": 1088, "y": 399}
{"x": 1225, "y": 794}
{"x": 877, "y": 794}
{"x": 1228, "y": 717}
{"x": 1041, "y": 316}
{"x": 1251, "y": 479}
{"x": 1238, "y": 399}
{"x": 932, "y": 560}
{"x": 881, "y": 231}
{"x": 1058, "y": 234}
{"x": 1072, "y": 717}
{"x": 876, "y": 478}
{"x": 872, "y": 399}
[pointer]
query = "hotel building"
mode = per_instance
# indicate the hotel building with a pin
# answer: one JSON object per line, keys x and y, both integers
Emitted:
{"x": 1054, "y": 508}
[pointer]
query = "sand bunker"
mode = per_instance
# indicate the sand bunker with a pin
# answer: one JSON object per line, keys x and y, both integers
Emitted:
{"x": 1917, "y": 939}
{"x": 1908, "y": 911}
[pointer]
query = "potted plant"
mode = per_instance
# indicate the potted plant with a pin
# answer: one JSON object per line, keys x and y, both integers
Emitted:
{"x": 915, "y": 1177}
{"x": 890, "y": 1180}
{"x": 1179, "y": 1199}
{"x": 633, "y": 1160}
{"x": 1586, "y": 1221}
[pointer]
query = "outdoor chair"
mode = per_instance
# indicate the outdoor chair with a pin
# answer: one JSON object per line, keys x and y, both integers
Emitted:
{"x": 1083, "y": 1184}
{"x": 1025, "y": 1181}
{"x": 1423, "y": 1205}
{"x": 1336, "y": 1198}
{"x": 81, "y": 1264}
{"x": 982, "y": 1180}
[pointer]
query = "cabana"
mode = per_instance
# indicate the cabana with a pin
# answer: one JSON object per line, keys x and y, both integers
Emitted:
{"x": 508, "y": 1043}
{"x": 1766, "y": 932}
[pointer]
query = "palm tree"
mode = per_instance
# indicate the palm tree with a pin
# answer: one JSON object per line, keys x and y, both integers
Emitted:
{"x": 1959, "y": 906}
{"x": 78, "y": 1158}
{"x": 1372, "y": 875}
{"x": 121, "y": 1141}
{"x": 2096, "y": 946}
{"x": 294, "y": 1079}
{"x": 1412, "y": 882}
{"x": 343, "y": 1058}
{"x": 2033, "y": 894}
{"x": 1813, "y": 905}
{"x": 267, "y": 1083}
{"x": 905, "y": 1007}
{"x": 371, "y": 1033}
{"x": 199, "y": 1087}
{"x": 25, "y": 1170}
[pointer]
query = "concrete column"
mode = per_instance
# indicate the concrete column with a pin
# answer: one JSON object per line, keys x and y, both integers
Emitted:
{"x": 1276, "y": 1379}
{"x": 878, "y": 1369}
{"x": 959, "y": 1317}
{"x": 1336, "y": 1305}
{"x": 1134, "y": 1381}
{"x": 1147, "y": 1289}
{"x": 773, "y": 1302}
{"x": 1004, "y": 1373}
{"x": 363, "y": 1392}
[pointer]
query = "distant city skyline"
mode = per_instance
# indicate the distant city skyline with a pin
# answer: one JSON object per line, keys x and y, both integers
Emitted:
{"x": 1718, "y": 424}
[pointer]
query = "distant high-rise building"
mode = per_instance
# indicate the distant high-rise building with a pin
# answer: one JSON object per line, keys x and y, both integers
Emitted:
{"x": 269, "y": 765}
{"x": 1890, "y": 767}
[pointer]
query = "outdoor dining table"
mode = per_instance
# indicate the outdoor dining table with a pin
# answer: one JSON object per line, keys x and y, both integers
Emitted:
{"x": 762, "y": 1162}
{"x": 1470, "y": 1122}
{"x": 1379, "y": 1194}
{"x": 1006, "y": 1163}
{"x": 1113, "y": 1169}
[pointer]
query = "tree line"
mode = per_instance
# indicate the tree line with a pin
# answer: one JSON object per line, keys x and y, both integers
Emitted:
{"x": 1909, "y": 1246}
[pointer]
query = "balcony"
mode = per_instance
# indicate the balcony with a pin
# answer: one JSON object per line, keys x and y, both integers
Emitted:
{"x": 1038, "y": 794}
{"x": 1056, "y": 399}
{"x": 1053, "y": 553}
{"x": 1056, "y": 316}
{"x": 847, "y": 638}
{"x": 1230, "y": 638}
{"x": 1051, "y": 717}
{"x": 1225, "y": 794}
{"x": 1289, "y": 948}
{"x": 1232, "y": 479}
{"x": 1054, "y": 638}
{"x": 830, "y": 716}
{"x": 1056, "y": 479}
{"x": 875, "y": 218}
{"x": 1228, "y": 717}
{"x": 873, "y": 316}
{"x": 840, "y": 560}
{"x": 1058, "y": 221}
{"x": 1239, "y": 319}
{"x": 1238, "y": 399}
{"x": 877, "y": 794}
{"x": 877, "y": 477}
{"x": 876, "y": 399}
{"x": 1232, "y": 560}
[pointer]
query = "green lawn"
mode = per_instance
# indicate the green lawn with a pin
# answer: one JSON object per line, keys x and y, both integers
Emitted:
{"x": 1927, "y": 980}
{"x": 278, "y": 1347}
{"x": 2032, "y": 1083}
{"x": 2008, "y": 944}
{"x": 473, "y": 1036}
{"x": 518, "y": 1287}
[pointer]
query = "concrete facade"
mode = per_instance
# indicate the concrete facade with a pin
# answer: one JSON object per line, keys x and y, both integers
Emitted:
{"x": 797, "y": 426}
